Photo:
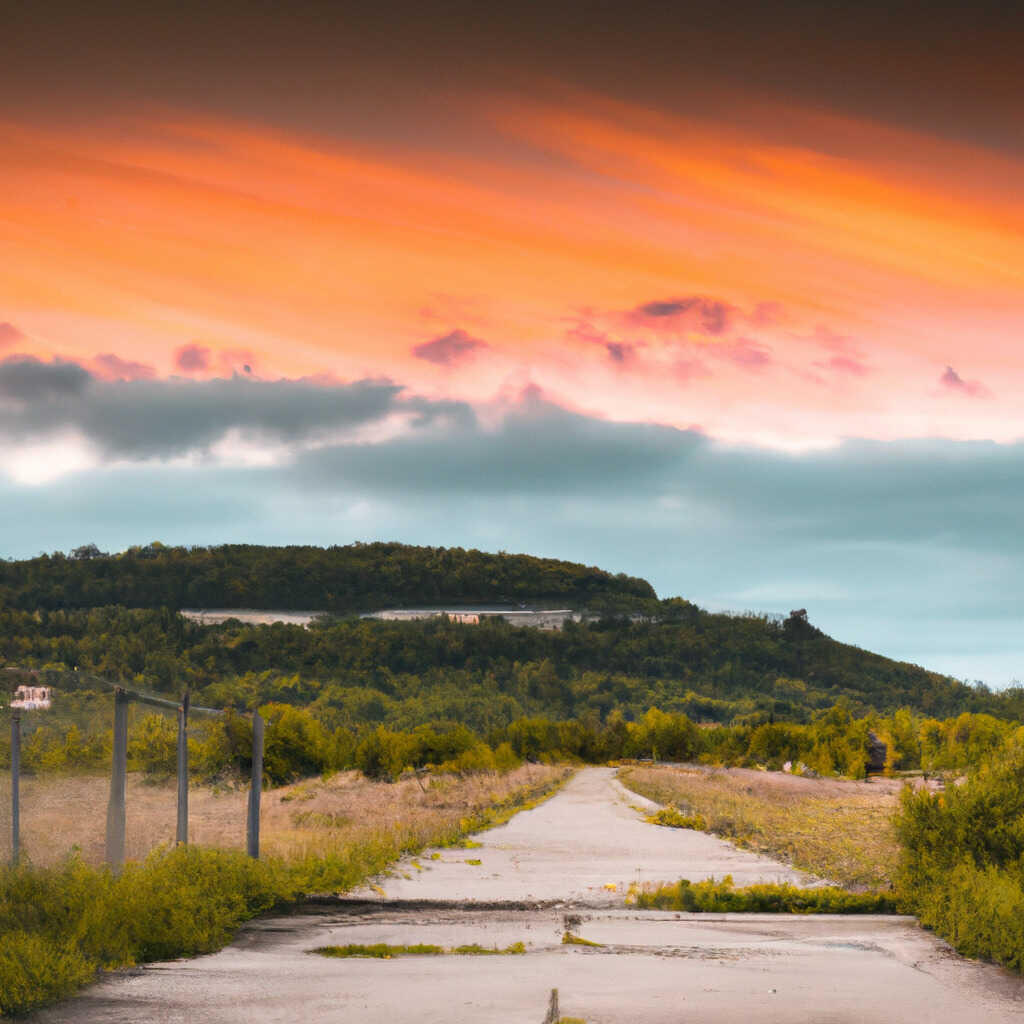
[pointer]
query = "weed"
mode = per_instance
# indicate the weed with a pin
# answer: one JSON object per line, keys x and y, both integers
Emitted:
{"x": 672, "y": 817}
{"x": 474, "y": 860}
{"x": 515, "y": 949}
{"x": 382, "y": 951}
{"x": 378, "y": 951}
{"x": 568, "y": 939}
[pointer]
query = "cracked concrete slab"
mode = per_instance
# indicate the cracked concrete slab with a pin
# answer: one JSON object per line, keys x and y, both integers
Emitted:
{"x": 544, "y": 872}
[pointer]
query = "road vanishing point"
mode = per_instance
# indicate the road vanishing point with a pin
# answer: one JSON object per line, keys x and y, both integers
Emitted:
{"x": 564, "y": 866}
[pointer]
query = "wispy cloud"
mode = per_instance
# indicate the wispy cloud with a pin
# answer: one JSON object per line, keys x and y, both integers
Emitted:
{"x": 449, "y": 349}
{"x": 113, "y": 367}
{"x": 952, "y": 381}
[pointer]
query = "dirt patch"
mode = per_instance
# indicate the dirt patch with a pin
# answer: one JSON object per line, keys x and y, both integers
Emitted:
{"x": 62, "y": 812}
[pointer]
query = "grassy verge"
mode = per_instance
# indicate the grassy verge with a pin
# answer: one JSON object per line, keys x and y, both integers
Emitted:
{"x": 713, "y": 896}
{"x": 837, "y": 830}
{"x": 61, "y": 924}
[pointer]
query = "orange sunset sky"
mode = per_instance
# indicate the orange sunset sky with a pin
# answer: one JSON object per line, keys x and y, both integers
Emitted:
{"x": 748, "y": 278}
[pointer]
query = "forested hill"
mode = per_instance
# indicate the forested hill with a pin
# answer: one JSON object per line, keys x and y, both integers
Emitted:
{"x": 354, "y": 578}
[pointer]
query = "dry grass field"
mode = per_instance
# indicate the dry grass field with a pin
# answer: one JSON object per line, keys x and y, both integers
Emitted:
{"x": 309, "y": 818}
{"x": 837, "y": 829}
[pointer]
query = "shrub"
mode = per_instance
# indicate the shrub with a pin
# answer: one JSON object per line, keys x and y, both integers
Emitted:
{"x": 962, "y": 864}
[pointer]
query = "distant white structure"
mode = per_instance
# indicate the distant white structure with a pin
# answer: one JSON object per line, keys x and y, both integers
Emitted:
{"x": 251, "y": 616}
{"x": 31, "y": 698}
{"x": 540, "y": 619}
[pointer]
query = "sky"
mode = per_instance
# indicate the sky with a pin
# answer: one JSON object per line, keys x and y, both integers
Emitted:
{"x": 727, "y": 296}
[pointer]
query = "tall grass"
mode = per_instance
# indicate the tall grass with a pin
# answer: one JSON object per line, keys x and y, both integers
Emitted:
{"x": 60, "y": 925}
{"x": 840, "y": 830}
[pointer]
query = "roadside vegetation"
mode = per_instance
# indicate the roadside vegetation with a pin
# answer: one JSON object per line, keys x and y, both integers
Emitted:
{"x": 961, "y": 867}
{"x": 837, "y": 830}
{"x": 62, "y": 924}
{"x": 722, "y": 897}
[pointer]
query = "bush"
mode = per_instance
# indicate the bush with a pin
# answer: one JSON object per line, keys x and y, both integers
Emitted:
{"x": 962, "y": 864}
{"x": 35, "y": 971}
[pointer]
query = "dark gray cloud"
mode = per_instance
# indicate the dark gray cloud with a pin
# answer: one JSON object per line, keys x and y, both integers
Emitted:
{"x": 192, "y": 358}
{"x": 952, "y": 381}
{"x": 9, "y": 334}
{"x": 539, "y": 448}
{"x": 449, "y": 349}
{"x": 28, "y": 380}
{"x": 142, "y": 418}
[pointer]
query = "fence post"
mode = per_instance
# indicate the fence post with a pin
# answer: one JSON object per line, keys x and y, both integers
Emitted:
{"x": 182, "y": 833}
{"x": 256, "y": 788}
{"x": 118, "y": 779}
{"x": 15, "y": 786}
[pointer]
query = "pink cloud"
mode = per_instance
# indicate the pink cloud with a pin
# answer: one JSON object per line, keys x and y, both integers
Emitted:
{"x": 952, "y": 381}
{"x": 745, "y": 352}
{"x": 846, "y": 364}
{"x": 9, "y": 334}
{"x": 710, "y": 316}
{"x": 113, "y": 367}
{"x": 449, "y": 349}
{"x": 235, "y": 360}
{"x": 192, "y": 358}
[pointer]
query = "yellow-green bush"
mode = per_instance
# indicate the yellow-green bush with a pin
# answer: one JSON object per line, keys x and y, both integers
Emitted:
{"x": 962, "y": 860}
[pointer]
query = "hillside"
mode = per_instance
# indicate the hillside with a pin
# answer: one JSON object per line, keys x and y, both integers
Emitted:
{"x": 676, "y": 657}
{"x": 341, "y": 580}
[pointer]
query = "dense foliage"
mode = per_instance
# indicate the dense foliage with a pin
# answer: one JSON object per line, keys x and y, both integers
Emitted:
{"x": 354, "y": 578}
{"x": 714, "y": 668}
{"x": 299, "y": 744}
{"x": 962, "y": 868}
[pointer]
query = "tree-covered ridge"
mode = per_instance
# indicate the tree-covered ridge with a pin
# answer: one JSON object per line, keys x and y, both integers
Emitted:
{"x": 712, "y": 667}
{"x": 353, "y": 578}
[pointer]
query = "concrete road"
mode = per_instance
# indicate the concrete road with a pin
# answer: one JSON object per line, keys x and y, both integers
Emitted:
{"x": 650, "y": 967}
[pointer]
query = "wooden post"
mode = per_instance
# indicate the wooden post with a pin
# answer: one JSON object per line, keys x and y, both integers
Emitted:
{"x": 15, "y": 786}
{"x": 118, "y": 779}
{"x": 182, "y": 833}
{"x": 255, "y": 790}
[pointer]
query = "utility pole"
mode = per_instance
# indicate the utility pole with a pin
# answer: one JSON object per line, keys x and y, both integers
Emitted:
{"x": 15, "y": 787}
{"x": 118, "y": 781}
{"x": 256, "y": 788}
{"x": 182, "y": 833}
